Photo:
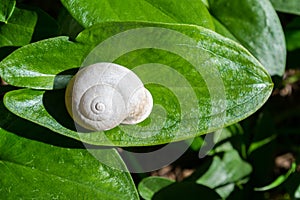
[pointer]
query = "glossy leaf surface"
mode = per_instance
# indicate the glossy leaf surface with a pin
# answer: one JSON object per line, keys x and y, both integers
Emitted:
{"x": 256, "y": 25}
{"x": 215, "y": 79}
{"x": 37, "y": 65}
{"x": 28, "y": 174}
{"x": 89, "y": 12}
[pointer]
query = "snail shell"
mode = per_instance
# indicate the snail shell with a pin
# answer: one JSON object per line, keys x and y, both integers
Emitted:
{"x": 104, "y": 95}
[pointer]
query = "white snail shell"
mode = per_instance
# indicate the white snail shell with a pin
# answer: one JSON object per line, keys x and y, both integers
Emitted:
{"x": 104, "y": 95}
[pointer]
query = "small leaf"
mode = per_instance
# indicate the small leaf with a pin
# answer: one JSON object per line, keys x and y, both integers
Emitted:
{"x": 6, "y": 9}
{"x": 226, "y": 170}
{"x": 256, "y": 25}
{"x": 151, "y": 185}
{"x": 89, "y": 12}
{"x": 279, "y": 179}
{"x": 257, "y": 144}
{"x": 26, "y": 172}
{"x": 287, "y": 6}
{"x": 19, "y": 29}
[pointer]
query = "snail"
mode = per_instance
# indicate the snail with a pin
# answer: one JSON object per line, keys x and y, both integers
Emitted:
{"x": 104, "y": 95}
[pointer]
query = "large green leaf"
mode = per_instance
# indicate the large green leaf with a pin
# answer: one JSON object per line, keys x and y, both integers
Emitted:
{"x": 19, "y": 28}
{"x": 89, "y": 12}
{"x": 6, "y": 9}
{"x": 256, "y": 25}
{"x": 217, "y": 82}
{"x": 288, "y": 6}
{"x": 31, "y": 169}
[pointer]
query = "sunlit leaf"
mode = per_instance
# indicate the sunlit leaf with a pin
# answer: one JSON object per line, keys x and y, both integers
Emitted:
{"x": 31, "y": 169}
{"x": 256, "y": 25}
{"x": 214, "y": 72}
{"x": 89, "y": 12}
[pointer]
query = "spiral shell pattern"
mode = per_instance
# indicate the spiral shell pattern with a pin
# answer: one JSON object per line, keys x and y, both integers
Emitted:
{"x": 104, "y": 95}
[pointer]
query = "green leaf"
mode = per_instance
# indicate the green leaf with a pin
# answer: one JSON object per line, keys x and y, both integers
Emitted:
{"x": 26, "y": 172}
{"x": 256, "y": 25}
{"x": 287, "y": 6}
{"x": 225, "y": 171}
{"x": 279, "y": 180}
{"x": 151, "y": 185}
{"x": 19, "y": 29}
{"x": 257, "y": 144}
{"x": 6, "y": 9}
{"x": 220, "y": 82}
{"x": 89, "y": 12}
{"x": 37, "y": 65}
{"x": 221, "y": 29}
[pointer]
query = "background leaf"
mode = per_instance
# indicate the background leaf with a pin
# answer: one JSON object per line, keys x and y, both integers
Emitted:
{"x": 26, "y": 172}
{"x": 288, "y": 6}
{"x": 89, "y": 12}
{"x": 6, "y": 9}
{"x": 256, "y": 25}
{"x": 279, "y": 180}
{"x": 151, "y": 185}
{"x": 224, "y": 172}
{"x": 19, "y": 29}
